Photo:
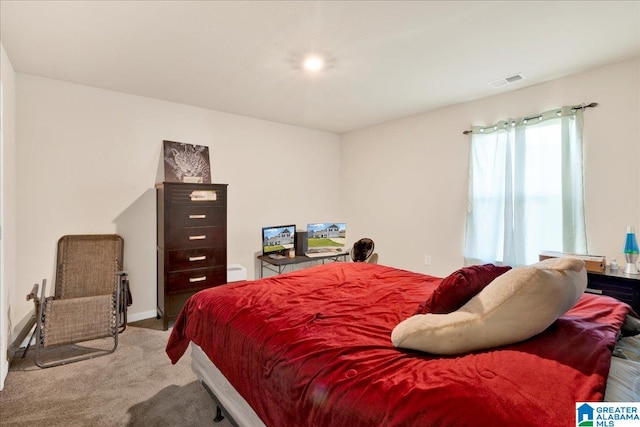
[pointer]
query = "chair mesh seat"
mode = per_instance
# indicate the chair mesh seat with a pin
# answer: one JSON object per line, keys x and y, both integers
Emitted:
{"x": 80, "y": 319}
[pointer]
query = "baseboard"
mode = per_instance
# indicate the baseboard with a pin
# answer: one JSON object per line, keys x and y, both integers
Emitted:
{"x": 134, "y": 317}
{"x": 4, "y": 370}
{"x": 4, "y": 360}
{"x": 26, "y": 337}
{"x": 19, "y": 346}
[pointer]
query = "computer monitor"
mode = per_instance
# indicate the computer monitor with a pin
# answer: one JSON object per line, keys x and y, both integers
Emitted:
{"x": 326, "y": 237}
{"x": 278, "y": 239}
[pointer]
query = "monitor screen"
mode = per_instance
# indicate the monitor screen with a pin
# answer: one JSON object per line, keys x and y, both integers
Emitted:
{"x": 326, "y": 237}
{"x": 278, "y": 239}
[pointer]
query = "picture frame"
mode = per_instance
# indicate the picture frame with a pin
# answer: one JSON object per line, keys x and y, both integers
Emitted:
{"x": 186, "y": 163}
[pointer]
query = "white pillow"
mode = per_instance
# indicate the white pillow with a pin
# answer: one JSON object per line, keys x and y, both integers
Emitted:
{"x": 515, "y": 306}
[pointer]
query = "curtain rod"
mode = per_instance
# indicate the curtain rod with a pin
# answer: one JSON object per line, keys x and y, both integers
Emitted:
{"x": 577, "y": 107}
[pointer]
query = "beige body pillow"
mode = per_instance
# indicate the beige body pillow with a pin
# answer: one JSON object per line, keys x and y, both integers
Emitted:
{"x": 515, "y": 306}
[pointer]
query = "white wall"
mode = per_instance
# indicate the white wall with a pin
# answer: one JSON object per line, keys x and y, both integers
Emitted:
{"x": 405, "y": 182}
{"x": 7, "y": 215}
{"x": 87, "y": 162}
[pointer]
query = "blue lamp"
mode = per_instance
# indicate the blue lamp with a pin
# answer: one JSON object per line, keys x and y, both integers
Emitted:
{"x": 631, "y": 251}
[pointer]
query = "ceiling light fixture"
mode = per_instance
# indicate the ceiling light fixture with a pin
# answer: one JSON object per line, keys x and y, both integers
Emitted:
{"x": 313, "y": 63}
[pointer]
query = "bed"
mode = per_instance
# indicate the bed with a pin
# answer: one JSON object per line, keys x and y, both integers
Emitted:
{"x": 312, "y": 348}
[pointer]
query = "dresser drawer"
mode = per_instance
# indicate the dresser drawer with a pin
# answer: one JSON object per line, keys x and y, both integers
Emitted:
{"x": 196, "y": 194}
{"x": 194, "y": 215}
{"x": 196, "y": 237}
{"x": 194, "y": 280}
{"x": 173, "y": 304}
{"x": 196, "y": 258}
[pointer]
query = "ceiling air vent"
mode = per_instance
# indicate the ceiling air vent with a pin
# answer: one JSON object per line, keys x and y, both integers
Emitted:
{"x": 506, "y": 80}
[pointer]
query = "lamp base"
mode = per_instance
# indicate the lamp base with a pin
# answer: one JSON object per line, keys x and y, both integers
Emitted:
{"x": 630, "y": 268}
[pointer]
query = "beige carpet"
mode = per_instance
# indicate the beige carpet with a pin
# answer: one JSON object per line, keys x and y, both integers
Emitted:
{"x": 135, "y": 386}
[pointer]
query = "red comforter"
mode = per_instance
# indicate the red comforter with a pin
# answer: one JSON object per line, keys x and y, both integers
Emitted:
{"x": 312, "y": 348}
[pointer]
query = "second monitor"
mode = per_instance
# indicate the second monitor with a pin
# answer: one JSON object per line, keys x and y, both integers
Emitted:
{"x": 326, "y": 238}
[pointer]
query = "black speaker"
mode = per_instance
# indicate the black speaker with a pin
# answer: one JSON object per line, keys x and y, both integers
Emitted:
{"x": 301, "y": 242}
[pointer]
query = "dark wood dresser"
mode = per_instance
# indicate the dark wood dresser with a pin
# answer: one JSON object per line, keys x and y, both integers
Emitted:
{"x": 191, "y": 242}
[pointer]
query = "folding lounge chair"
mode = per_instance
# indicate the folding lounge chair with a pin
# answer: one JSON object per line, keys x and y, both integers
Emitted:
{"x": 89, "y": 303}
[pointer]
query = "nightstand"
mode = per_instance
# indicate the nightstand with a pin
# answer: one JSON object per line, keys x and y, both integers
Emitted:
{"x": 616, "y": 284}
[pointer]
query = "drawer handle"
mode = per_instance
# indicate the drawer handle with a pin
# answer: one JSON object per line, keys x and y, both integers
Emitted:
{"x": 197, "y": 258}
{"x": 197, "y": 216}
{"x": 203, "y": 195}
{"x": 200, "y": 237}
{"x": 593, "y": 291}
{"x": 197, "y": 279}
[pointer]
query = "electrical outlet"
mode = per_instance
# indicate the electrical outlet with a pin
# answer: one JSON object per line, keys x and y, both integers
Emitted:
{"x": 427, "y": 260}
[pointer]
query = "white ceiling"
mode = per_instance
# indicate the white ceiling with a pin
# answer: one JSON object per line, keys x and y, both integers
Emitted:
{"x": 387, "y": 59}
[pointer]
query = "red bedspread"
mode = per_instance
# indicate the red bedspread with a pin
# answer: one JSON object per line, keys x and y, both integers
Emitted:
{"x": 313, "y": 348}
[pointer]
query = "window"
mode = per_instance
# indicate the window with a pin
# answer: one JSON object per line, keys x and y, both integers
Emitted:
{"x": 526, "y": 189}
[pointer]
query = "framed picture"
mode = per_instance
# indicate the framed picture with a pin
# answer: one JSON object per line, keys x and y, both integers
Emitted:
{"x": 186, "y": 163}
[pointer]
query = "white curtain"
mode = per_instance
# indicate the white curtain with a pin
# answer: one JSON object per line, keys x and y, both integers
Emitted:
{"x": 526, "y": 189}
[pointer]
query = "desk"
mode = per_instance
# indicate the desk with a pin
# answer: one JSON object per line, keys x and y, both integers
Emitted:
{"x": 279, "y": 265}
{"x": 616, "y": 284}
